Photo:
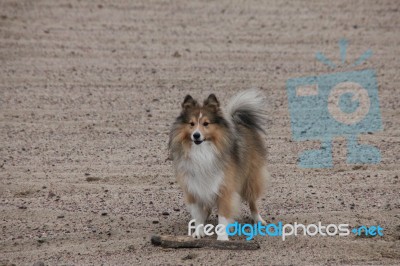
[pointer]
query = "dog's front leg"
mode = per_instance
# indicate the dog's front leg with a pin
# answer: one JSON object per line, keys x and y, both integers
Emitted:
{"x": 199, "y": 214}
{"x": 226, "y": 207}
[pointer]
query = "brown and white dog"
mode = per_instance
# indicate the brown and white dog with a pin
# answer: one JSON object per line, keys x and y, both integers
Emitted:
{"x": 220, "y": 156}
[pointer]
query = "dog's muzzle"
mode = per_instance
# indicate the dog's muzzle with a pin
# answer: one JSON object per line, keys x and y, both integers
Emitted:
{"x": 197, "y": 138}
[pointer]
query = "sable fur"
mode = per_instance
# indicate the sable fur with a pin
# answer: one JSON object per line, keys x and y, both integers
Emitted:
{"x": 219, "y": 156}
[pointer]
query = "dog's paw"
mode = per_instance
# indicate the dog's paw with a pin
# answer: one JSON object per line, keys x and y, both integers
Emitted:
{"x": 199, "y": 233}
{"x": 257, "y": 218}
{"x": 223, "y": 237}
{"x": 262, "y": 221}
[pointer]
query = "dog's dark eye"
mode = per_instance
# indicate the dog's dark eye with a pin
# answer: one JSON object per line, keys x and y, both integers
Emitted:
{"x": 205, "y": 124}
{"x": 192, "y": 124}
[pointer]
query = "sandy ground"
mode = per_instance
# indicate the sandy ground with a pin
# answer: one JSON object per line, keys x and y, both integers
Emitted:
{"x": 89, "y": 90}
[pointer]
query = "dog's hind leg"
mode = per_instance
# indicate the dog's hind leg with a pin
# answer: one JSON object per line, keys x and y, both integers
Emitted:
{"x": 255, "y": 214}
{"x": 252, "y": 190}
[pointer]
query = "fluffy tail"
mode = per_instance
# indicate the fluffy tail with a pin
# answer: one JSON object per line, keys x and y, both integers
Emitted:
{"x": 248, "y": 108}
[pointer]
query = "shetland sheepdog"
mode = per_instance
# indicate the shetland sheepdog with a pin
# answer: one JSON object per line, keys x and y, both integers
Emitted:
{"x": 219, "y": 156}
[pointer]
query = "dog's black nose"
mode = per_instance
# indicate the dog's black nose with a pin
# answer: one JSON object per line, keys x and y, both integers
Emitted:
{"x": 196, "y": 135}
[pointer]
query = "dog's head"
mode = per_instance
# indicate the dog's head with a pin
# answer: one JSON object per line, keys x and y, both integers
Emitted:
{"x": 201, "y": 123}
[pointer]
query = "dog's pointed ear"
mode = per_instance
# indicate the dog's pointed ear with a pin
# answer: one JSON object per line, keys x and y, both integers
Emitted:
{"x": 212, "y": 102}
{"x": 188, "y": 102}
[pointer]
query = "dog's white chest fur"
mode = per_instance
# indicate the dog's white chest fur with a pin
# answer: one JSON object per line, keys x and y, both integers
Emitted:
{"x": 203, "y": 172}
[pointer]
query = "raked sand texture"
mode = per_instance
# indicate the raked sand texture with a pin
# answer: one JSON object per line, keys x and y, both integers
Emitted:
{"x": 89, "y": 90}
